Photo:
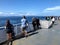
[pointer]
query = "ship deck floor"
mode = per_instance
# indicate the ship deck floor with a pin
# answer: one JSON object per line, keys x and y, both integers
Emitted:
{"x": 41, "y": 37}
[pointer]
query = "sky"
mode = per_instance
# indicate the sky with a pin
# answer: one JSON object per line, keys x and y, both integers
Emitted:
{"x": 30, "y": 7}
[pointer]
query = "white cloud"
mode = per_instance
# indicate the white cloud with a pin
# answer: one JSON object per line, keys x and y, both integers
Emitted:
{"x": 6, "y": 13}
{"x": 56, "y": 8}
{"x": 12, "y": 13}
{"x": 29, "y": 13}
{"x": 53, "y": 8}
{"x": 16, "y": 14}
{"x": 51, "y": 11}
{"x": 1, "y": 12}
{"x": 26, "y": 14}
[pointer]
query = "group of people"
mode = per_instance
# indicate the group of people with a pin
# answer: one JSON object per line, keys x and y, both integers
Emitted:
{"x": 35, "y": 23}
{"x": 24, "y": 25}
{"x": 52, "y": 18}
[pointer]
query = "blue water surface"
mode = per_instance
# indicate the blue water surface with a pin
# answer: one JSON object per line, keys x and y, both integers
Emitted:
{"x": 17, "y": 19}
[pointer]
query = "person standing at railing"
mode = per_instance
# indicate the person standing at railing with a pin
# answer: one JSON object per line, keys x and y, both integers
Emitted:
{"x": 24, "y": 24}
{"x": 34, "y": 23}
{"x": 53, "y": 20}
{"x": 37, "y": 23}
{"x": 9, "y": 31}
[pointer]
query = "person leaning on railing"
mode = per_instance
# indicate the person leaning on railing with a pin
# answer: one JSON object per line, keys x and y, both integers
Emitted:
{"x": 9, "y": 31}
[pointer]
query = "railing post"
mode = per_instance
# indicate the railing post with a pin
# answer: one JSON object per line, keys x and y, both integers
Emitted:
{"x": 15, "y": 29}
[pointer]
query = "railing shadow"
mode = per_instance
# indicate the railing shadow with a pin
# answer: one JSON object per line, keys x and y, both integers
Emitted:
{"x": 53, "y": 25}
{"x": 22, "y": 36}
{"x": 33, "y": 33}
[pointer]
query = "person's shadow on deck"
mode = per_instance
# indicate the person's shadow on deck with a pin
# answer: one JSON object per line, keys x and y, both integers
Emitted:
{"x": 52, "y": 25}
{"x": 31, "y": 33}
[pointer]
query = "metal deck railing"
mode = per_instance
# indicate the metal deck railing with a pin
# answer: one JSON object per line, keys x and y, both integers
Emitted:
{"x": 17, "y": 29}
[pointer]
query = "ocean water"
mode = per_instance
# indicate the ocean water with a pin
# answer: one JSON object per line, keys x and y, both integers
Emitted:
{"x": 17, "y": 19}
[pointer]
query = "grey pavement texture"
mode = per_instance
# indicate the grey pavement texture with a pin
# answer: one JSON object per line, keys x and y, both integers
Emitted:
{"x": 42, "y": 37}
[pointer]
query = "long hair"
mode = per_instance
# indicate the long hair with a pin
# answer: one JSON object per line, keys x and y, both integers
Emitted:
{"x": 7, "y": 23}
